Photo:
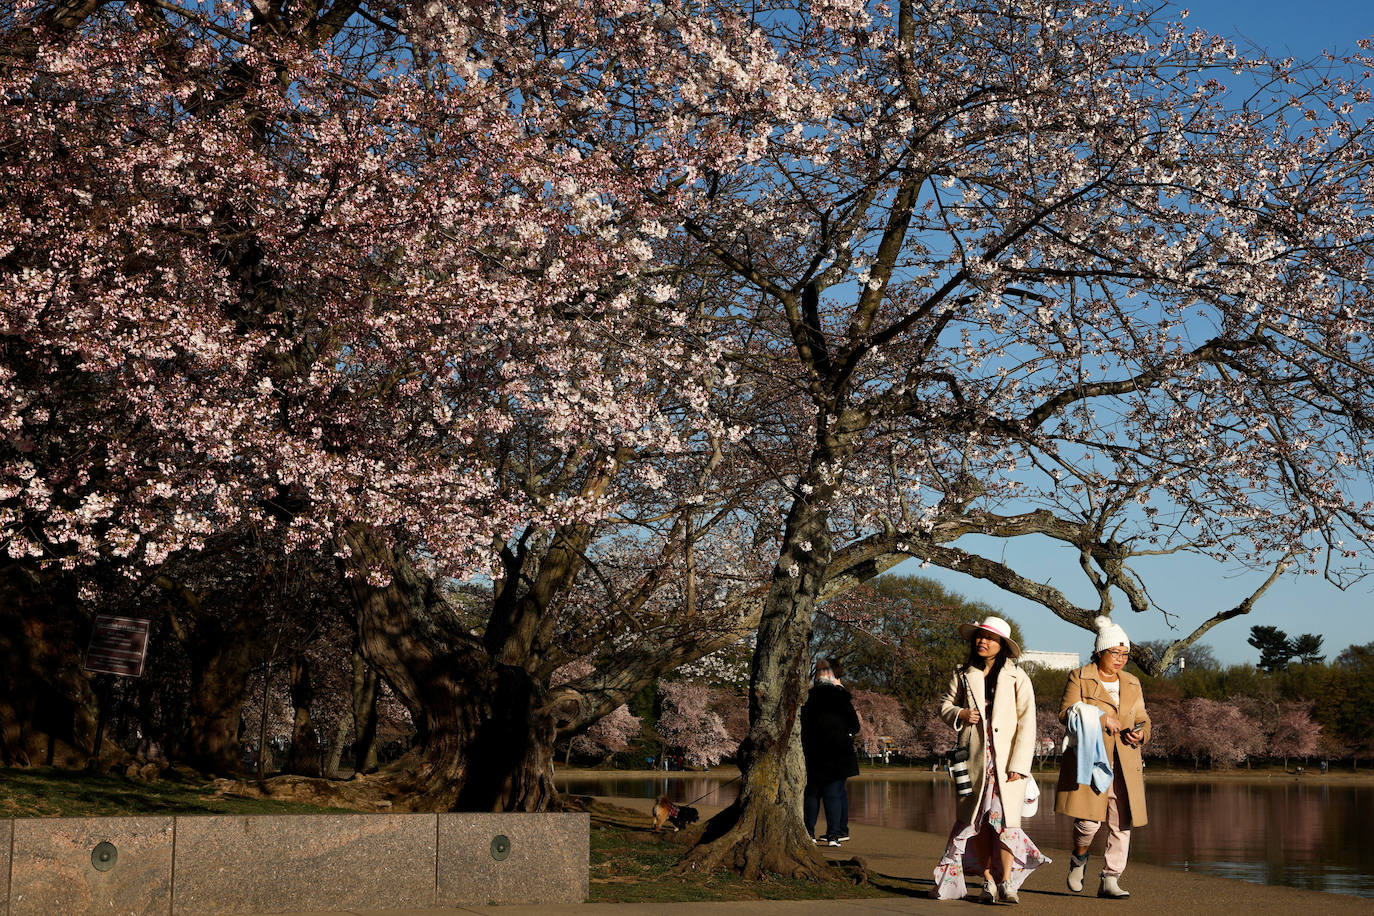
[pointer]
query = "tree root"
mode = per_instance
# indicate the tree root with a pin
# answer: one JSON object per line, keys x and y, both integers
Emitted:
{"x": 753, "y": 847}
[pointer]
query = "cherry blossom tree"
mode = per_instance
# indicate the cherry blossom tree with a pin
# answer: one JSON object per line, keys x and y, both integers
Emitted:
{"x": 377, "y": 280}
{"x": 1166, "y": 728}
{"x": 689, "y": 722}
{"x": 1295, "y": 734}
{"x": 445, "y": 290}
{"x": 1036, "y": 271}
{"x": 883, "y": 723}
{"x": 1216, "y": 731}
{"x": 931, "y": 735}
{"x": 1048, "y": 730}
{"x": 608, "y": 734}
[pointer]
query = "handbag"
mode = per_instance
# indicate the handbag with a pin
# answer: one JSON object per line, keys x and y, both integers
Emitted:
{"x": 1032, "y": 803}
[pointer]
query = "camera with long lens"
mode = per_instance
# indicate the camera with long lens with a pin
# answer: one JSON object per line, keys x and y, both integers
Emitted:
{"x": 958, "y": 771}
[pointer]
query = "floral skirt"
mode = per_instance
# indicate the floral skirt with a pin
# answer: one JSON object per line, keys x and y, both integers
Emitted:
{"x": 958, "y": 859}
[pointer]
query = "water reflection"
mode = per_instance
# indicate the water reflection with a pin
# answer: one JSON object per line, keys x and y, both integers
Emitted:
{"x": 1291, "y": 834}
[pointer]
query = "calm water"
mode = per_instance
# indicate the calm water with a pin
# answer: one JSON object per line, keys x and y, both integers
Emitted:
{"x": 1288, "y": 833}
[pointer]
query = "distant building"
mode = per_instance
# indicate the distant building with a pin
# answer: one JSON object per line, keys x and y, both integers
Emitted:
{"x": 1059, "y": 661}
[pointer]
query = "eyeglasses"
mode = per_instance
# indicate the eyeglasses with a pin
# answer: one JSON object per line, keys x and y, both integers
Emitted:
{"x": 1118, "y": 653}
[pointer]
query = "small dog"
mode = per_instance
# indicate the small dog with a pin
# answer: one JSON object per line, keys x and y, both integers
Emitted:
{"x": 665, "y": 812}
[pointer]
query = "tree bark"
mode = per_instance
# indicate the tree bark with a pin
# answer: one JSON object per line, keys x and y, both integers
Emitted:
{"x": 444, "y": 676}
{"x": 305, "y": 740}
{"x": 486, "y": 720}
{"x": 211, "y": 743}
{"x": 512, "y": 755}
{"x": 221, "y": 659}
{"x": 333, "y": 752}
{"x": 364, "y": 715}
{"x": 221, "y": 651}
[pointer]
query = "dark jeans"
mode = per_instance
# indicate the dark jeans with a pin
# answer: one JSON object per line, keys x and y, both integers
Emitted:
{"x": 836, "y": 800}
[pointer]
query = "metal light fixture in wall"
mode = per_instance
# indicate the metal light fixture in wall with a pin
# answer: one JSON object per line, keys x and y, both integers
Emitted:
{"x": 104, "y": 856}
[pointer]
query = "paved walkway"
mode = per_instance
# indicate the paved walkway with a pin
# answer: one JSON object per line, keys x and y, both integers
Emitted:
{"x": 912, "y": 855}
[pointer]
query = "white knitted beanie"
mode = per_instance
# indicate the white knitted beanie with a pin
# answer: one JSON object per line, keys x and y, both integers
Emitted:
{"x": 1109, "y": 635}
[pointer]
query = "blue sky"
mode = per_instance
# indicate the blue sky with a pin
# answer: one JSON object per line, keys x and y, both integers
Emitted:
{"x": 1296, "y": 28}
{"x": 1193, "y": 588}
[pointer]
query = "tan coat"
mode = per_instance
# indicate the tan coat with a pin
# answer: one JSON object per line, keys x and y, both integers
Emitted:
{"x": 1080, "y": 801}
{"x": 1013, "y": 736}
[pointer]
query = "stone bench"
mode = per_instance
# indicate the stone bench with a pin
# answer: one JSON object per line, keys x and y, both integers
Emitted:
{"x": 197, "y": 866}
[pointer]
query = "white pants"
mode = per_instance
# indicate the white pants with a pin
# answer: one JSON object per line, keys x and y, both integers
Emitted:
{"x": 1118, "y": 827}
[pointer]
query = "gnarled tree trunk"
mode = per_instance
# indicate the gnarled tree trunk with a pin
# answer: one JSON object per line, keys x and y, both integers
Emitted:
{"x": 333, "y": 751}
{"x": 410, "y": 636}
{"x": 221, "y": 649}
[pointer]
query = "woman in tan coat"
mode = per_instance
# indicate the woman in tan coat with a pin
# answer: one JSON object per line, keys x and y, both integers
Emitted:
{"x": 991, "y": 702}
{"x": 1101, "y": 696}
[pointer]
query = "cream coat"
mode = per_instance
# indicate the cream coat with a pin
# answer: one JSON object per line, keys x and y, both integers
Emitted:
{"x": 1013, "y": 736}
{"x": 1081, "y": 801}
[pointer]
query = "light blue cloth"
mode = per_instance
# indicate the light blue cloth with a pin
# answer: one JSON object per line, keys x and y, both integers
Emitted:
{"x": 1085, "y": 733}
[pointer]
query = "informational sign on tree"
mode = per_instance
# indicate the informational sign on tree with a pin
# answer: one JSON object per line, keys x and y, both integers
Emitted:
{"x": 118, "y": 646}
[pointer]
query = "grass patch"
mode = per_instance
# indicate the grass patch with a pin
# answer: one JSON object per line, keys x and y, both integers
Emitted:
{"x": 51, "y": 792}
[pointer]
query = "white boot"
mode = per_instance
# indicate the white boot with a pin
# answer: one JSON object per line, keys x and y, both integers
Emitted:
{"x": 1109, "y": 888}
{"x": 1076, "y": 870}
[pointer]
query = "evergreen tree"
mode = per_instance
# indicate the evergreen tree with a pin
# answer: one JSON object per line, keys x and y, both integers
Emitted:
{"x": 1308, "y": 649}
{"x": 1276, "y": 649}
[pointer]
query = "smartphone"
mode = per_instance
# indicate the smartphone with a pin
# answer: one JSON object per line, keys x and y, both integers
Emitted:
{"x": 1138, "y": 726}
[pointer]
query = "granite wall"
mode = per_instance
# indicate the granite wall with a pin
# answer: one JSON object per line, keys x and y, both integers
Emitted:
{"x": 108, "y": 865}
{"x": 314, "y": 862}
{"x": 500, "y": 858}
{"x": 6, "y": 834}
{"x": 200, "y": 866}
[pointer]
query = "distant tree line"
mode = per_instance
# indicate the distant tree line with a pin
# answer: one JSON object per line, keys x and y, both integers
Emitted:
{"x": 898, "y": 641}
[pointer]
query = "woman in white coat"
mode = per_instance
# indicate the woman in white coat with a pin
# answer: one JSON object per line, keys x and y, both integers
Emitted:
{"x": 991, "y": 702}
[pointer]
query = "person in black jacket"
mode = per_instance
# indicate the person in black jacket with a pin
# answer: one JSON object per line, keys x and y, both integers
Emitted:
{"x": 828, "y": 726}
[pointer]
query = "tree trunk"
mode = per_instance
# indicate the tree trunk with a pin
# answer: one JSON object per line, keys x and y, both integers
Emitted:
{"x": 364, "y": 715}
{"x": 486, "y": 717}
{"x": 486, "y": 726}
{"x": 211, "y": 742}
{"x": 763, "y": 831}
{"x": 305, "y": 741}
{"x": 48, "y": 709}
{"x": 512, "y": 754}
{"x": 410, "y": 636}
{"x": 221, "y": 653}
{"x": 220, "y": 662}
{"x": 334, "y": 749}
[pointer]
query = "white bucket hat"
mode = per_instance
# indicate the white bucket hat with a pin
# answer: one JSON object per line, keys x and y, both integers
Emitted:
{"x": 997, "y": 627}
